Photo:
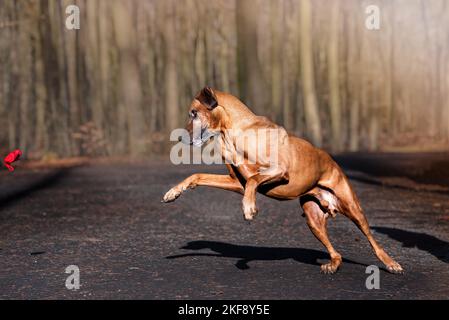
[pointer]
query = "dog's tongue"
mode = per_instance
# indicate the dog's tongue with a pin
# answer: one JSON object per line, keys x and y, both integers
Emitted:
{"x": 10, "y": 158}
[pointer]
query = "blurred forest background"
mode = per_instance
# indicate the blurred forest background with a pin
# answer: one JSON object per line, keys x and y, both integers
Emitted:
{"x": 122, "y": 82}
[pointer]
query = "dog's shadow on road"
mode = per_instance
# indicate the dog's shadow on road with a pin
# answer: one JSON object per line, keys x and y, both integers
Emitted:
{"x": 425, "y": 242}
{"x": 246, "y": 254}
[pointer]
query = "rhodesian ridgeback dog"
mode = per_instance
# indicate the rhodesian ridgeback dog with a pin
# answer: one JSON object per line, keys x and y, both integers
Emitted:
{"x": 301, "y": 171}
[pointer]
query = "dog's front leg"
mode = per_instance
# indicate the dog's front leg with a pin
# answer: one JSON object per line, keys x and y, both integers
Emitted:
{"x": 265, "y": 176}
{"x": 225, "y": 182}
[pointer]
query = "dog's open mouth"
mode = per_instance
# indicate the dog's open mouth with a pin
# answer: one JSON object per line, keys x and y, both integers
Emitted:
{"x": 203, "y": 137}
{"x": 198, "y": 136}
{"x": 198, "y": 140}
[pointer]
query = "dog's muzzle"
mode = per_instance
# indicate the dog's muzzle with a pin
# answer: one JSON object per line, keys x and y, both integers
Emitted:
{"x": 199, "y": 135}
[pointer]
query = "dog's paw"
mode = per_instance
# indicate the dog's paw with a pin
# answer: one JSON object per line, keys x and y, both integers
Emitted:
{"x": 249, "y": 210}
{"x": 329, "y": 268}
{"x": 172, "y": 195}
{"x": 333, "y": 266}
{"x": 395, "y": 267}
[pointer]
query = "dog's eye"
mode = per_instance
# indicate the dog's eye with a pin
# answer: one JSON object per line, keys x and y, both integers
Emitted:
{"x": 193, "y": 114}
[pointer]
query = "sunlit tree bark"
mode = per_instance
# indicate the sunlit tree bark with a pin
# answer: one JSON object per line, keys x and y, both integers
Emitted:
{"x": 170, "y": 74}
{"x": 307, "y": 74}
{"x": 334, "y": 77}
{"x": 252, "y": 86}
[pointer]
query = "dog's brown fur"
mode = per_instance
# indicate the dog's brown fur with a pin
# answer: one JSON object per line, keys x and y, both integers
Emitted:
{"x": 303, "y": 172}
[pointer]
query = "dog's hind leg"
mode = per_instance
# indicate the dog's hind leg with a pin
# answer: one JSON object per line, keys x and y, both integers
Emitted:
{"x": 351, "y": 208}
{"x": 317, "y": 220}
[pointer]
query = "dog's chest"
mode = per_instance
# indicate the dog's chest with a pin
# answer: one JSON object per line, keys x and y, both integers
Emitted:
{"x": 241, "y": 156}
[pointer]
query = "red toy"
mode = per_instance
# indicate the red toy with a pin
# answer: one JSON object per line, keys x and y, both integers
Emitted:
{"x": 10, "y": 158}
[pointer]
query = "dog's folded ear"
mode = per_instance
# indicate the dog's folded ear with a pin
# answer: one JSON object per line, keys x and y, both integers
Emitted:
{"x": 207, "y": 97}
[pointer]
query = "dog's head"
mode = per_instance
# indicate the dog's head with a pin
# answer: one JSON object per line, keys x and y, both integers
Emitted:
{"x": 203, "y": 122}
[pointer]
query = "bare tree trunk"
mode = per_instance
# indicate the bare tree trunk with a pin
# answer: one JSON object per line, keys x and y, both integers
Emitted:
{"x": 14, "y": 81}
{"x": 80, "y": 112}
{"x": 276, "y": 58}
{"x": 390, "y": 63}
{"x": 41, "y": 138}
{"x": 287, "y": 27}
{"x": 334, "y": 77}
{"x": 353, "y": 79}
{"x": 171, "y": 81}
{"x": 24, "y": 56}
{"x": 307, "y": 74}
{"x": 131, "y": 90}
{"x": 224, "y": 30}
{"x": 441, "y": 66}
{"x": 65, "y": 88}
{"x": 252, "y": 87}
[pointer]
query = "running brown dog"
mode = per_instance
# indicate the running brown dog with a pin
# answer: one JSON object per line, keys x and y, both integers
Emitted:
{"x": 301, "y": 171}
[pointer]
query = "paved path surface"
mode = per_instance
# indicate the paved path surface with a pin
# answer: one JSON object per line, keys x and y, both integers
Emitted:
{"x": 108, "y": 220}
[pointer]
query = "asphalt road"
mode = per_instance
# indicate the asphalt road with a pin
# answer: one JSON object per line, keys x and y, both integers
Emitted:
{"x": 108, "y": 220}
